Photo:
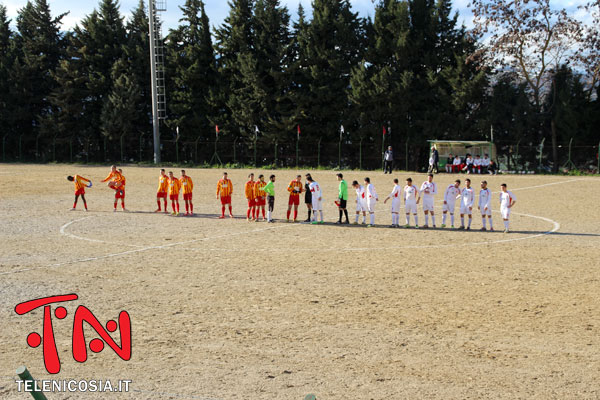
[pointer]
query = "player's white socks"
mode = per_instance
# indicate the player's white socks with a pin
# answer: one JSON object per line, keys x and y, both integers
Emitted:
{"x": 268, "y": 215}
{"x": 452, "y": 219}
{"x": 426, "y": 219}
{"x": 483, "y": 222}
{"x": 433, "y": 220}
{"x": 321, "y": 214}
{"x": 364, "y": 219}
{"x": 407, "y": 219}
{"x": 491, "y": 226}
{"x": 506, "y": 224}
{"x": 372, "y": 219}
{"x": 462, "y": 221}
{"x": 470, "y": 220}
{"x": 416, "y": 220}
{"x": 444, "y": 217}
{"x": 356, "y": 219}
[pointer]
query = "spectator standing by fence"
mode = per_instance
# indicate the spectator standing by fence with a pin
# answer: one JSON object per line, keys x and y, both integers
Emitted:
{"x": 388, "y": 160}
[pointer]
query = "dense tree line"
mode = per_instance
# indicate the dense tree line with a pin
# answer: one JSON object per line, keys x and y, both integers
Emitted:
{"x": 411, "y": 71}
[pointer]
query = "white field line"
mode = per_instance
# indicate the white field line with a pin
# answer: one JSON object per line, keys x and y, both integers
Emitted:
{"x": 147, "y": 248}
{"x": 65, "y": 226}
{"x": 140, "y": 250}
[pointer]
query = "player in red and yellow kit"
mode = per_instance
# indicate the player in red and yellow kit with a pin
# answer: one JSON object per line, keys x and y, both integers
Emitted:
{"x": 260, "y": 197}
{"x": 163, "y": 189}
{"x": 295, "y": 188}
{"x": 249, "y": 192}
{"x": 116, "y": 183}
{"x": 174, "y": 188}
{"x": 224, "y": 191}
{"x": 188, "y": 186}
{"x": 79, "y": 189}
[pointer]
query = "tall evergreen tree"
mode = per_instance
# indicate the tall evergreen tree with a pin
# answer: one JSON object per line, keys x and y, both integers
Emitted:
{"x": 137, "y": 53}
{"x": 6, "y": 61}
{"x": 99, "y": 44}
{"x": 39, "y": 48}
{"x": 191, "y": 60}
{"x": 234, "y": 46}
{"x": 120, "y": 108}
{"x": 336, "y": 45}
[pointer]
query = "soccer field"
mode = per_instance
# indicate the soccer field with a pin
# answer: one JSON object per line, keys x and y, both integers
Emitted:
{"x": 227, "y": 309}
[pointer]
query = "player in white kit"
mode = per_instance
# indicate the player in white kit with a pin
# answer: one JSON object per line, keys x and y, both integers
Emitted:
{"x": 396, "y": 201}
{"x": 317, "y": 200}
{"x": 429, "y": 190}
{"x": 507, "y": 201}
{"x": 411, "y": 199}
{"x": 485, "y": 205}
{"x": 372, "y": 199}
{"x": 361, "y": 204}
{"x": 450, "y": 196}
{"x": 466, "y": 204}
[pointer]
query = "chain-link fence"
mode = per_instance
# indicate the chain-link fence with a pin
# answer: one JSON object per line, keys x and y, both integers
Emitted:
{"x": 306, "y": 153}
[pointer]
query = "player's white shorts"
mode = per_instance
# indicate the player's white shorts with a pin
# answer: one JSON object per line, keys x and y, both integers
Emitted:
{"x": 428, "y": 204}
{"x": 371, "y": 205}
{"x": 411, "y": 207}
{"x": 450, "y": 207}
{"x": 465, "y": 210}
{"x": 505, "y": 211}
{"x": 317, "y": 205}
{"x": 396, "y": 205}
{"x": 361, "y": 206}
{"x": 486, "y": 212}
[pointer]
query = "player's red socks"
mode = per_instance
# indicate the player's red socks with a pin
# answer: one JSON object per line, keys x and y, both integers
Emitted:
{"x": 191, "y": 208}
{"x": 222, "y": 211}
{"x": 187, "y": 207}
{"x": 295, "y": 214}
{"x": 75, "y": 205}
{"x": 230, "y": 212}
{"x": 115, "y": 205}
{"x": 288, "y": 214}
{"x": 123, "y": 205}
{"x": 177, "y": 206}
{"x": 248, "y": 213}
{"x": 173, "y": 205}
{"x": 158, "y": 202}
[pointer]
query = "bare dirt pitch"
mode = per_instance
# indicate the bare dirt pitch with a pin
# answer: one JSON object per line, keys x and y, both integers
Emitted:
{"x": 226, "y": 309}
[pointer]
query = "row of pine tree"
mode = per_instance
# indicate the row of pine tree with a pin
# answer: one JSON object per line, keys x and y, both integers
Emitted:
{"x": 408, "y": 68}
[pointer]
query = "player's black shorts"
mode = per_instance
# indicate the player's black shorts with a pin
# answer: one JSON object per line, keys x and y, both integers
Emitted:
{"x": 271, "y": 201}
{"x": 343, "y": 203}
{"x": 308, "y": 197}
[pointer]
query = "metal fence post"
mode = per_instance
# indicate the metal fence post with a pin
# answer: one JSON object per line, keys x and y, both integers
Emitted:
{"x": 54, "y": 149}
{"x": 20, "y": 148}
{"x": 319, "y": 153}
{"x": 297, "y": 144}
{"x": 340, "y": 154}
{"x": 122, "y": 148}
{"x": 406, "y": 155}
{"x": 234, "y": 149}
{"x": 4, "y": 147}
{"x": 275, "y": 154}
{"x": 196, "y": 150}
{"x": 71, "y": 149}
{"x": 177, "y": 149}
{"x": 37, "y": 147}
{"x": 360, "y": 154}
{"x": 26, "y": 377}
{"x": 141, "y": 155}
{"x": 598, "y": 158}
{"x": 105, "y": 148}
{"x": 255, "y": 140}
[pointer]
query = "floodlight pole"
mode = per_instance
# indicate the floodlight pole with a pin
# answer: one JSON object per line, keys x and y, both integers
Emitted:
{"x": 155, "y": 121}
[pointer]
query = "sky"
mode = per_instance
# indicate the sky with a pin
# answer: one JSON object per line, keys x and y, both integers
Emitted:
{"x": 217, "y": 10}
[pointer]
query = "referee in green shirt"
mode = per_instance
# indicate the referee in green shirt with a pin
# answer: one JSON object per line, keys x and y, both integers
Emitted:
{"x": 342, "y": 198}
{"x": 270, "y": 191}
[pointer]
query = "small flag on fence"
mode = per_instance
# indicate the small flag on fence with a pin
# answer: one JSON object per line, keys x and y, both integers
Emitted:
{"x": 217, "y": 131}
{"x": 384, "y": 131}
{"x": 256, "y": 132}
{"x": 341, "y": 132}
{"x": 298, "y": 135}
{"x": 177, "y": 130}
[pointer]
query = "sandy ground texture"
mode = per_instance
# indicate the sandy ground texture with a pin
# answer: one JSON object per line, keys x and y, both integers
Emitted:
{"x": 227, "y": 309}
